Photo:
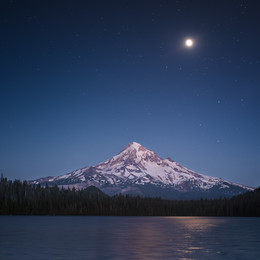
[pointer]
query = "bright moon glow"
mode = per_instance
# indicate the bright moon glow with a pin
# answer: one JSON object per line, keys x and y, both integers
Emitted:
{"x": 189, "y": 43}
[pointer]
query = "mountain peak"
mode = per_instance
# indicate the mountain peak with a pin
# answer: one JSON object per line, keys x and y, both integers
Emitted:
{"x": 137, "y": 170}
{"x": 133, "y": 146}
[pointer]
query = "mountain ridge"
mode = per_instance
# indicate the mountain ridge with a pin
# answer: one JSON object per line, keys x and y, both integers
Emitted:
{"x": 139, "y": 171}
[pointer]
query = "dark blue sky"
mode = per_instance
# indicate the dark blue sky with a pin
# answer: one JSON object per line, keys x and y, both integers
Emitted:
{"x": 81, "y": 79}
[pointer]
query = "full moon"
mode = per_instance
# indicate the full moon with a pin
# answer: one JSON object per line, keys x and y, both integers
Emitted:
{"x": 189, "y": 43}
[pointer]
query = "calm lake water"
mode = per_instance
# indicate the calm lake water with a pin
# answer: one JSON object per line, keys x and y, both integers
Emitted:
{"x": 35, "y": 237}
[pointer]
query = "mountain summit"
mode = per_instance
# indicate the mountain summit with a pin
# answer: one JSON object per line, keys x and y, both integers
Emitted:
{"x": 139, "y": 171}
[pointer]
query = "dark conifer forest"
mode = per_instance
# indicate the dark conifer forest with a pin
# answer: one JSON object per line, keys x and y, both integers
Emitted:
{"x": 21, "y": 198}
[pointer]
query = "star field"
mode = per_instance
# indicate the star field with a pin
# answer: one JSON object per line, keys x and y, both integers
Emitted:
{"x": 79, "y": 80}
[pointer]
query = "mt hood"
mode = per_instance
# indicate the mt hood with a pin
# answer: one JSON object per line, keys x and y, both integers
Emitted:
{"x": 139, "y": 171}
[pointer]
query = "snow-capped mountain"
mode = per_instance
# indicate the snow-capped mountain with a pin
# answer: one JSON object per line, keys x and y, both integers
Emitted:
{"x": 139, "y": 171}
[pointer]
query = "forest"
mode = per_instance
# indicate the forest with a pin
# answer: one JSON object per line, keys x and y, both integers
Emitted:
{"x": 21, "y": 198}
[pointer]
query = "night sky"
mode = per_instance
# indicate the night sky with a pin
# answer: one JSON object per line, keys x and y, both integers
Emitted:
{"x": 81, "y": 79}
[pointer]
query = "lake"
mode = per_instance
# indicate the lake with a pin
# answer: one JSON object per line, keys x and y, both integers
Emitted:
{"x": 73, "y": 237}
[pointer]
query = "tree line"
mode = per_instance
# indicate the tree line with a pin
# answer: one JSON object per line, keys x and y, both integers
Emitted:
{"x": 21, "y": 198}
